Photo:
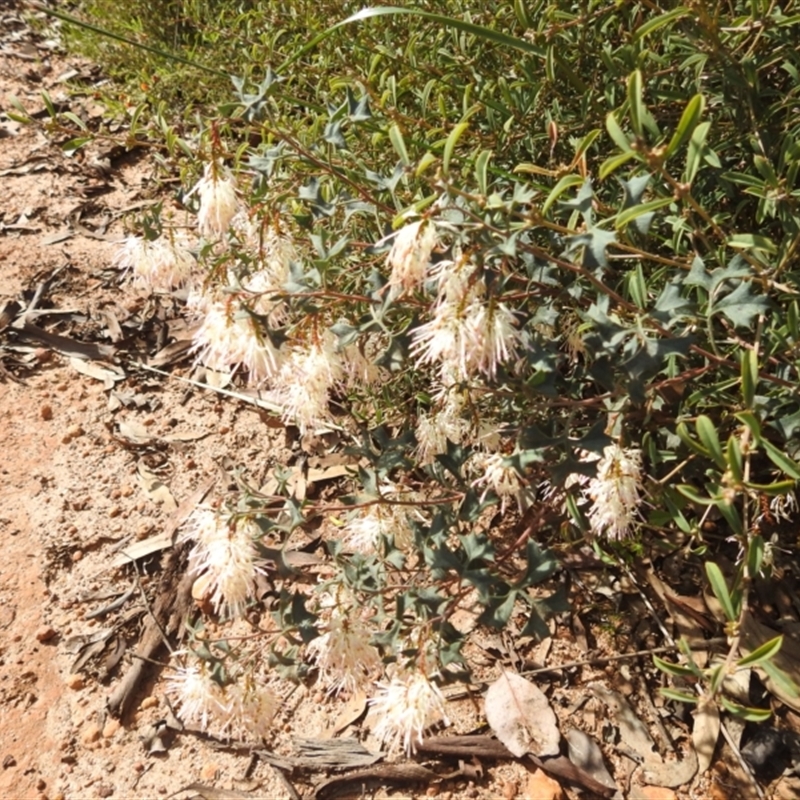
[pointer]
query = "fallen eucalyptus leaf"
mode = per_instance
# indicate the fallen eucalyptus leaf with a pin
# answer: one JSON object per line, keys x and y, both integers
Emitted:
{"x": 519, "y": 713}
{"x": 705, "y": 732}
{"x": 585, "y": 753}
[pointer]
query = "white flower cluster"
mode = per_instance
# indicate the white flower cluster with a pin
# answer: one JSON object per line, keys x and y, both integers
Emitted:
{"x": 159, "y": 265}
{"x": 406, "y": 706}
{"x": 615, "y": 492}
{"x": 224, "y": 558}
{"x": 501, "y": 477}
{"x": 343, "y": 654}
{"x": 410, "y": 256}
{"x": 469, "y": 333}
{"x": 244, "y": 705}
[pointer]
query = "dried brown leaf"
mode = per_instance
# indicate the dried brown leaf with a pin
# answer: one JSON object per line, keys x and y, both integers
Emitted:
{"x": 520, "y": 715}
{"x": 705, "y": 733}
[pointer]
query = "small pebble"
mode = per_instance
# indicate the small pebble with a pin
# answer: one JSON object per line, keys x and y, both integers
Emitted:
{"x": 45, "y": 633}
{"x": 209, "y": 772}
{"x": 77, "y": 555}
{"x": 126, "y": 490}
{"x": 75, "y": 681}
{"x": 46, "y": 412}
{"x": 105, "y": 790}
{"x": 110, "y": 729}
{"x": 114, "y": 511}
{"x": 91, "y": 733}
{"x": 149, "y": 702}
{"x": 41, "y": 784}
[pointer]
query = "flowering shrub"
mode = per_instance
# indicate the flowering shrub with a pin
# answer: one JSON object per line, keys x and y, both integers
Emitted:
{"x": 533, "y": 294}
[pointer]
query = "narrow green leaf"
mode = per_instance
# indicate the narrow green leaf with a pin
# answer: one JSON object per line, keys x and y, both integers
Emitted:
{"x": 716, "y": 677}
{"x": 780, "y": 680}
{"x": 692, "y": 494}
{"x": 481, "y": 171}
{"x": 681, "y": 697}
{"x": 636, "y": 106}
{"x": 749, "y": 419}
{"x": 613, "y": 163}
{"x": 752, "y": 241}
{"x": 772, "y": 489}
{"x": 755, "y": 555}
{"x": 734, "y": 459}
{"x": 396, "y": 138}
{"x": 490, "y": 34}
{"x": 707, "y": 432}
{"x": 781, "y": 460}
{"x": 749, "y": 367}
{"x": 688, "y": 122}
{"x": 617, "y": 134}
{"x": 586, "y": 143}
{"x": 49, "y": 105}
{"x": 655, "y": 24}
{"x": 696, "y": 151}
{"x": 679, "y": 670}
{"x": 731, "y": 515}
{"x": 76, "y": 119}
{"x": 689, "y": 441}
{"x": 629, "y": 214}
{"x": 745, "y": 713}
{"x": 449, "y": 145}
{"x": 764, "y": 653}
{"x": 720, "y": 589}
{"x": 565, "y": 183}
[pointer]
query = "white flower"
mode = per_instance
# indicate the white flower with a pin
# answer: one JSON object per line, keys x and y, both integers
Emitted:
{"x": 218, "y": 201}
{"x": 444, "y": 423}
{"x": 197, "y": 694}
{"x": 225, "y": 555}
{"x": 410, "y": 255}
{"x": 159, "y": 265}
{"x": 229, "y": 338}
{"x": 250, "y": 706}
{"x": 491, "y": 337}
{"x": 302, "y": 387}
{"x": 467, "y": 333}
{"x": 343, "y": 654}
{"x": 614, "y": 492}
{"x": 370, "y": 527}
{"x": 405, "y": 707}
{"x": 503, "y": 479}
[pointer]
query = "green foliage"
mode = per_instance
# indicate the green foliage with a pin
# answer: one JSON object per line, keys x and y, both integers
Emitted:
{"x": 623, "y": 176}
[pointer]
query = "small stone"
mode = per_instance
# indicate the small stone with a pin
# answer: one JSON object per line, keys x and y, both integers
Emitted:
{"x": 652, "y": 793}
{"x": 114, "y": 511}
{"x": 126, "y": 490}
{"x": 209, "y": 771}
{"x": 431, "y": 791}
{"x": 41, "y": 784}
{"x": 9, "y": 761}
{"x": 74, "y": 431}
{"x": 45, "y": 633}
{"x": 138, "y": 767}
{"x": 77, "y": 555}
{"x": 111, "y": 727}
{"x": 509, "y": 789}
{"x": 105, "y": 790}
{"x": 143, "y": 530}
{"x": 149, "y": 702}
{"x": 91, "y": 733}
{"x": 46, "y": 412}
